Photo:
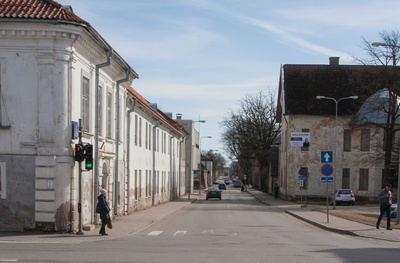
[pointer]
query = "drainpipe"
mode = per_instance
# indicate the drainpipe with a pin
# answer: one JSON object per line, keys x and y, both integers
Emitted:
{"x": 171, "y": 168}
{"x": 96, "y": 131}
{"x": 286, "y": 160}
{"x": 154, "y": 162}
{"x": 117, "y": 138}
{"x": 128, "y": 154}
{"x": 181, "y": 140}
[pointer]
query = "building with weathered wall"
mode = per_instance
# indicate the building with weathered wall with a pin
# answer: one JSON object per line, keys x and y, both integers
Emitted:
{"x": 302, "y": 116}
{"x": 55, "y": 69}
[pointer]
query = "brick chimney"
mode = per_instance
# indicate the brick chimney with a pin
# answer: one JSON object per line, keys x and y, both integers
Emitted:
{"x": 334, "y": 61}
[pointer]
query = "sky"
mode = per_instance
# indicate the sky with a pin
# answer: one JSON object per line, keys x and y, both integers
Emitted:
{"x": 201, "y": 57}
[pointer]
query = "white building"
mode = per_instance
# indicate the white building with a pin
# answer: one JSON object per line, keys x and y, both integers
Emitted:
{"x": 55, "y": 69}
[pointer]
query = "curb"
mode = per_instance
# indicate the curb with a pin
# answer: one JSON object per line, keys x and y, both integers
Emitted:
{"x": 339, "y": 231}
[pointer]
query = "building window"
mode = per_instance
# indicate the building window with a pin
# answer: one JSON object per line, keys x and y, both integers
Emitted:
{"x": 140, "y": 132}
{"x": 100, "y": 110}
{"x": 109, "y": 114}
{"x": 346, "y": 178}
{"x": 136, "y": 185}
{"x": 149, "y": 137}
{"x": 363, "y": 184}
{"x": 140, "y": 184}
{"x": 136, "y": 130}
{"x": 347, "y": 140}
{"x": 365, "y": 139}
{"x": 145, "y": 136}
{"x": 85, "y": 104}
{"x": 3, "y": 189}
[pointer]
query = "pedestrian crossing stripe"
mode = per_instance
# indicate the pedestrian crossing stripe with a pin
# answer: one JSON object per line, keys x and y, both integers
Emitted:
{"x": 154, "y": 233}
{"x": 179, "y": 233}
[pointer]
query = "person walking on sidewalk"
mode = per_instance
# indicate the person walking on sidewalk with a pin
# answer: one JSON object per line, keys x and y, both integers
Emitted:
{"x": 386, "y": 201}
{"x": 276, "y": 190}
{"x": 104, "y": 210}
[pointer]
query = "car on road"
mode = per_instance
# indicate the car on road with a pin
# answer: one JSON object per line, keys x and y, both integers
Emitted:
{"x": 344, "y": 196}
{"x": 237, "y": 184}
{"x": 393, "y": 211}
{"x": 222, "y": 186}
{"x": 213, "y": 192}
{"x": 226, "y": 181}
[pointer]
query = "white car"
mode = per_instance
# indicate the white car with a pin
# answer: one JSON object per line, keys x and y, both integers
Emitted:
{"x": 393, "y": 211}
{"x": 344, "y": 196}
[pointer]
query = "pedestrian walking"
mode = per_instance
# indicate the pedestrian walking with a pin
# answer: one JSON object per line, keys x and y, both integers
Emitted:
{"x": 276, "y": 190}
{"x": 385, "y": 198}
{"x": 104, "y": 211}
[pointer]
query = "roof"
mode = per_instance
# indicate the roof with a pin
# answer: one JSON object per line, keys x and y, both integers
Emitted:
{"x": 145, "y": 104}
{"x": 38, "y": 9}
{"x": 300, "y": 84}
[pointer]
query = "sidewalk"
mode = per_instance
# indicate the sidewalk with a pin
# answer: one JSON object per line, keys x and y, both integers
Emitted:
{"x": 330, "y": 223}
{"x": 135, "y": 222}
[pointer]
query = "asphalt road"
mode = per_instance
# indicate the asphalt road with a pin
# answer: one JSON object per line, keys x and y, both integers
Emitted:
{"x": 238, "y": 228}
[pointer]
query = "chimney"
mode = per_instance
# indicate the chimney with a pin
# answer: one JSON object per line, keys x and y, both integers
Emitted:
{"x": 153, "y": 106}
{"x": 179, "y": 116}
{"x": 169, "y": 114}
{"x": 334, "y": 61}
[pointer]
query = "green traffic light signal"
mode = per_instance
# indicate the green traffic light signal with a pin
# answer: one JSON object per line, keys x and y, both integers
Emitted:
{"x": 89, "y": 157}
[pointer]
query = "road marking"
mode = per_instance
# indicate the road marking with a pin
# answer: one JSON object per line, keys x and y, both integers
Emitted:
{"x": 8, "y": 260}
{"x": 208, "y": 231}
{"x": 180, "y": 233}
{"x": 155, "y": 233}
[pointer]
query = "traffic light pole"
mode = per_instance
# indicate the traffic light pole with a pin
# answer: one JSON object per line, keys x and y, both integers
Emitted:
{"x": 80, "y": 183}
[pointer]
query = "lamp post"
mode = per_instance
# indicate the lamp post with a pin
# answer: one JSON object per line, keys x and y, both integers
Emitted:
{"x": 200, "y": 159}
{"x": 393, "y": 47}
{"x": 200, "y": 121}
{"x": 335, "y": 154}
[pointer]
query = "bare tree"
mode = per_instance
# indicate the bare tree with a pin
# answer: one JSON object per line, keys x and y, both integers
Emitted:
{"x": 385, "y": 53}
{"x": 250, "y": 131}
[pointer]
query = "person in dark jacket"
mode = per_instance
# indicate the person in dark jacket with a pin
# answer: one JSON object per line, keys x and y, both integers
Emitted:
{"x": 386, "y": 201}
{"x": 104, "y": 210}
{"x": 276, "y": 191}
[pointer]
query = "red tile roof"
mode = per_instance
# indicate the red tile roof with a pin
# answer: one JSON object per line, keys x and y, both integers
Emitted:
{"x": 37, "y": 9}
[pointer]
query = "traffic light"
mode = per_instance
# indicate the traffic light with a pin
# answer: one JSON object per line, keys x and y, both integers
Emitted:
{"x": 89, "y": 157}
{"x": 79, "y": 152}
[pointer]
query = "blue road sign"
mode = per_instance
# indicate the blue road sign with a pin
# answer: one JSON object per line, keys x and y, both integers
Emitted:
{"x": 327, "y": 169}
{"x": 326, "y": 156}
{"x": 302, "y": 177}
{"x": 326, "y": 179}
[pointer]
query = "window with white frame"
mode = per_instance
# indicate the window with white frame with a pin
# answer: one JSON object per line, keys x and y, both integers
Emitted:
{"x": 85, "y": 104}
{"x": 109, "y": 114}
{"x": 100, "y": 109}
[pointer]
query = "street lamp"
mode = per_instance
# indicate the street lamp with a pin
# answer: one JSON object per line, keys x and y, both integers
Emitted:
{"x": 381, "y": 44}
{"x": 335, "y": 154}
{"x": 200, "y": 159}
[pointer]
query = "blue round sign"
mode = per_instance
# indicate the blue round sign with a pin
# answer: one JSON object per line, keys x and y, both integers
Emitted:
{"x": 327, "y": 169}
{"x": 302, "y": 171}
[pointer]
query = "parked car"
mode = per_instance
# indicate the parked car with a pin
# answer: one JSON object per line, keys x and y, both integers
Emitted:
{"x": 213, "y": 192}
{"x": 393, "y": 211}
{"x": 222, "y": 186}
{"x": 344, "y": 196}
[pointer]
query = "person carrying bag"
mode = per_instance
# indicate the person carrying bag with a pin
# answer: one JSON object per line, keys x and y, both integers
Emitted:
{"x": 104, "y": 211}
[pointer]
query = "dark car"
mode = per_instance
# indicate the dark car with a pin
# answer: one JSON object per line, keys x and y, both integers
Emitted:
{"x": 213, "y": 192}
{"x": 222, "y": 186}
{"x": 237, "y": 184}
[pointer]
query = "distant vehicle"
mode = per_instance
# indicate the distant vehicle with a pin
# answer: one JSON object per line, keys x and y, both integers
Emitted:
{"x": 226, "y": 181}
{"x": 222, "y": 186}
{"x": 213, "y": 192}
{"x": 344, "y": 196}
{"x": 393, "y": 211}
{"x": 237, "y": 184}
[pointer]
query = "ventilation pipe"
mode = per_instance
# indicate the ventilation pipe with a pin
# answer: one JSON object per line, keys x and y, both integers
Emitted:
{"x": 117, "y": 138}
{"x": 96, "y": 131}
